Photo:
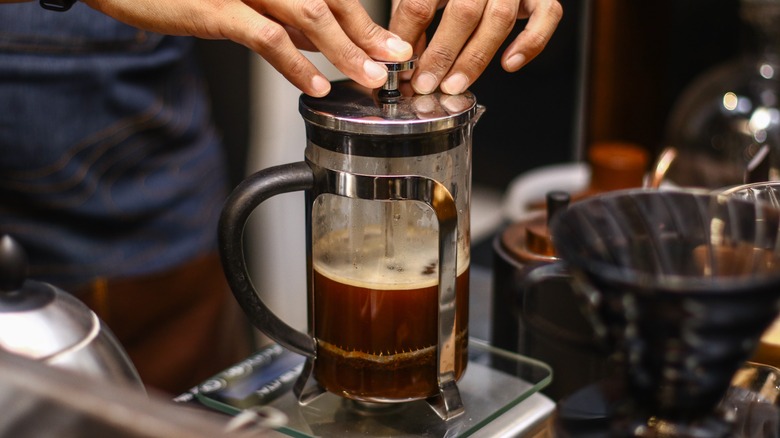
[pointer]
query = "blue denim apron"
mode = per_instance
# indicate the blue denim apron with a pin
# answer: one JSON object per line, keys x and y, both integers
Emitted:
{"x": 109, "y": 163}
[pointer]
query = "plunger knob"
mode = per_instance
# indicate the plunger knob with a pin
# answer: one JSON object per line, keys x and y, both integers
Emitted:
{"x": 389, "y": 92}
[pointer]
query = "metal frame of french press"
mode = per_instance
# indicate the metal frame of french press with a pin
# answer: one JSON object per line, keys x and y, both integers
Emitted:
{"x": 448, "y": 403}
{"x": 314, "y": 181}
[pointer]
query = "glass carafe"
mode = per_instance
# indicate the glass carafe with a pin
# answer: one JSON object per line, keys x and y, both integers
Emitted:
{"x": 387, "y": 178}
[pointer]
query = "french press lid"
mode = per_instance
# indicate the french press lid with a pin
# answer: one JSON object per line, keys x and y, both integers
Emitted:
{"x": 393, "y": 109}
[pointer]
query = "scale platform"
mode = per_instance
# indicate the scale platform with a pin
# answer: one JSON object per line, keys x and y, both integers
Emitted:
{"x": 499, "y": 391}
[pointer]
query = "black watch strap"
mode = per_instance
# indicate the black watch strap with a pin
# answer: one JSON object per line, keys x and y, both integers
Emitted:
{"x": 57, "y": 5}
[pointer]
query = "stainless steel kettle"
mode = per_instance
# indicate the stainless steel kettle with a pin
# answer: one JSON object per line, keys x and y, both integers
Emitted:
{"x": 44, "y": 323}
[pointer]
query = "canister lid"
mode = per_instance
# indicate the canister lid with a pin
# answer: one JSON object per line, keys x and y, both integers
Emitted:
{"x": 616, "y": 165}
{"x": 352, "y": 108}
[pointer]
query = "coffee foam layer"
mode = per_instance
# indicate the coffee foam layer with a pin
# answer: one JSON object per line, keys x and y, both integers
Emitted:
{"x": 414, "y": 263}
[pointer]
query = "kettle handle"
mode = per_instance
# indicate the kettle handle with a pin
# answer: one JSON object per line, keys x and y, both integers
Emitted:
{"x": 257, "y": 188}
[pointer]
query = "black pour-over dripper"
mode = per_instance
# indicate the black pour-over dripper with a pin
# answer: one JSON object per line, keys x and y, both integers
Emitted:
{"x": 681, "y": 285}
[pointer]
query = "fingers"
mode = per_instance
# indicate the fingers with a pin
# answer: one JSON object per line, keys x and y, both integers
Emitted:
{"x": 270, "y": 40}
{"x": 496, "y": 22}
{"x": 300, "y": 40}
{"x": 469, "y": 35}
{"x": 419, "y": 47}
{"x": 410, "y": 18}
{"x": 277, "y": 30}
{"x": 377, "y": 42}
{"x": 544, "y": 18}
{"x": 344, "y": 33}
{"x": 459, "y": 22}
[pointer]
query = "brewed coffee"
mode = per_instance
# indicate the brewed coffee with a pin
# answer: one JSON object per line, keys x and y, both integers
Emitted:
{"x": 377, "y": 327}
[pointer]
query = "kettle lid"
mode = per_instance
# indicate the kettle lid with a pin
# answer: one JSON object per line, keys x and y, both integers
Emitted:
{"x": 37, "y": 320}
{"x": 393, "y": 109}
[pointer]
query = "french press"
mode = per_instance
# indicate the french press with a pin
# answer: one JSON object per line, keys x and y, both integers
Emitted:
{"x": 387, "y": 178}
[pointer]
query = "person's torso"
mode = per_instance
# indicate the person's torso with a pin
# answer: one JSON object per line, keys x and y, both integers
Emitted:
{"x": 109, "y": 164}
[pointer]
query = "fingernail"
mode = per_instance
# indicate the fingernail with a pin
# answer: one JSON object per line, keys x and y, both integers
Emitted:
{"x": 399, "y": 46}
{"x": 375, "y": 71}
{"x": 320, "y": 85}
{"x": 424, "y": 83}
{"x": 455, "y": 84}
{"x": 515, "y": 61}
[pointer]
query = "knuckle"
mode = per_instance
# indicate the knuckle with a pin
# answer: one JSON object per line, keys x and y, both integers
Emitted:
{"x": 440, "y": 58}
{"x": 372, "y": 30}
{"x": 298, "y": 67}
{"x": 467, "y": 12}
{"x": 271, "y": 36}
{"x": 503, "y": 16}
{"x": 476, "y": 61}
{"x": 313, "y": 11}
{"x": 363, "y": 23}
{"x": 419, "y": 11}
{"x": 534, "y": 41}
{"x": 350, "y": 54}
{"x": 215, "y": 18}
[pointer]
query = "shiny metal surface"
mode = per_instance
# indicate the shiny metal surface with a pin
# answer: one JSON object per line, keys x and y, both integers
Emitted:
{"x": 389, "y": 92}
{"x": 46, "y": 324}
{"x": 46, "y": 402}
{"x": 417, "y": 188}
{"x": 372, "y": 145}
{"x": 66, "y": 334}
{"x": 353, "y": 109}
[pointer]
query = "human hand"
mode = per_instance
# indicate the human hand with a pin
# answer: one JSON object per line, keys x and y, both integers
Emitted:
{"x": 469, "y": 35}
{"x": 277, "y": 30}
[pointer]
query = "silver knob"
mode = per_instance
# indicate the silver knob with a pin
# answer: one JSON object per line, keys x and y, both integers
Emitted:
{"x": 389, "y": 92}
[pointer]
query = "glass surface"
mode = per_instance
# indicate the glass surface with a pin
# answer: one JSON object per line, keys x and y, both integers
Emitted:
{"x": 494, "y": 382}
{"x": 725, "y": 126}
{"x": 382, "y": 256}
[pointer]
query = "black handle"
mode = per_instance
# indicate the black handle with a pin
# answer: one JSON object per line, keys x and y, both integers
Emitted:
{"x": 239, "y": 205}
